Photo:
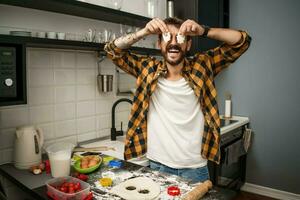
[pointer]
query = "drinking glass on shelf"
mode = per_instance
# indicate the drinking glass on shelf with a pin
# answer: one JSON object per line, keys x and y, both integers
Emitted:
{"x": 71, "y": 36}
{"x": 106, "y": 35}
{"x": 117, "y": 4}
{"x": 90, "y": 36}
{"x": 129, "y": 29}
{"x": 99, "y": 37}
{"x": 122, "y": 31}
{"x": 113, "y": 36}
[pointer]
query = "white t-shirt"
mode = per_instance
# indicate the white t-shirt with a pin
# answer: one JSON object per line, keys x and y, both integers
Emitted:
{"x": 175, "y": 125}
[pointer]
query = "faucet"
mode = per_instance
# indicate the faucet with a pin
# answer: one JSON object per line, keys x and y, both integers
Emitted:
{"x": 113, "y": 132}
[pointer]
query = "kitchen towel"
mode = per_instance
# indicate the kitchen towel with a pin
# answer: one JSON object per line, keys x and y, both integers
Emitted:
{"x": 234, "y": 151}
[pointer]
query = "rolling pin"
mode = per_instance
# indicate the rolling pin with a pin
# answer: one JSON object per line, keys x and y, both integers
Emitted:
{"x": 199, "y": 191}
{"x": 101, "y": 148}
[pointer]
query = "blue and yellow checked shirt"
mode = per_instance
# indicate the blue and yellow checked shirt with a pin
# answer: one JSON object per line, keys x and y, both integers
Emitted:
{"x": 199, "y": 70}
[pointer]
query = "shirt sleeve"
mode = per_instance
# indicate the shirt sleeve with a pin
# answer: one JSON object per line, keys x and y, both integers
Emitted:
{"x": 127, "y": 61}
{"x": 220, "y": 57}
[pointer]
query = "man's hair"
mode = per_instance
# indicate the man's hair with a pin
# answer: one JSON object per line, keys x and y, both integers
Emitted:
{"x": 175, "y": 22}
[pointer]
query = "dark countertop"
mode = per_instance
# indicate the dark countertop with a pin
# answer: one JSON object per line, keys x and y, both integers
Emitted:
{"x": 35, "y": 184}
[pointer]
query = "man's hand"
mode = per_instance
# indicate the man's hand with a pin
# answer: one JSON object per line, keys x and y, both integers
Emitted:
{"x": 155, "y": 26}
{"x": 192, "y": 28}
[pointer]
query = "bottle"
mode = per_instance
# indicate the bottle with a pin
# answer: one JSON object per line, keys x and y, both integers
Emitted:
{"x": 170, "y": 8}
{"x": 227, "y": 105}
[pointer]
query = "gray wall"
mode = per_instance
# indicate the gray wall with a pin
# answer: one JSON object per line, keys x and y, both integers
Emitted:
{"x": 265, "y": 85}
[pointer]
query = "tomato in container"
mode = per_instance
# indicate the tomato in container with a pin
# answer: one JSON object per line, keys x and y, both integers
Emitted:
{"x": 67, "y": 188}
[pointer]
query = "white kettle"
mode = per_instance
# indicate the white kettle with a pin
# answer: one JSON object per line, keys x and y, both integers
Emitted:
{"x": 28, "y": 145}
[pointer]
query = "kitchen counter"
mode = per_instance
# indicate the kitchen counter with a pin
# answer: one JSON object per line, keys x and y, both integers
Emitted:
{"x": 240, "y": 121}
{"x": 35, "y": 184}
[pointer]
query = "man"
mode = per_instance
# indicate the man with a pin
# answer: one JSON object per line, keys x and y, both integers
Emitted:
{"x": 174, "y": 117}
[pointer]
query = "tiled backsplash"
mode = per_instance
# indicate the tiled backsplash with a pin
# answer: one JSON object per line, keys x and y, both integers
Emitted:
{"x": 63, "y": 99}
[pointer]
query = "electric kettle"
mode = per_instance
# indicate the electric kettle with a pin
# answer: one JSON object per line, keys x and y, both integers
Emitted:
{"x": 28, "y": 144}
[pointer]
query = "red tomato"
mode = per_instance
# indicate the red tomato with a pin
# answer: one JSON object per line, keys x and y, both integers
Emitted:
{"x": 83, "y": 177}
{"x": 71, "y": 190}
{"x": 63, "y": 189}
{"x": 77, "y": 186}
{"x": 71, "y": 185}
{"x": 65, "y": 184}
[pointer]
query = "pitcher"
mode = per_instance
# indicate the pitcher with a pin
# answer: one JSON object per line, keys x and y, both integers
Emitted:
{"x": 28, "y": 144}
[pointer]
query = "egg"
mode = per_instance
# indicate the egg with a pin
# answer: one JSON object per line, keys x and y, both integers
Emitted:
{"x": 96, "y": 158}
{"x": 92, "y": 163}
{"x": 84, "y": 166}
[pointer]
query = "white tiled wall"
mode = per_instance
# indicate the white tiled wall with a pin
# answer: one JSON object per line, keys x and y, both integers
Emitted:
{"x": 63, "y": 99}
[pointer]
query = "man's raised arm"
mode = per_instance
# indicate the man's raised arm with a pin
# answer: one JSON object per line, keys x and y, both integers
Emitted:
{"x": 155, "y": 26}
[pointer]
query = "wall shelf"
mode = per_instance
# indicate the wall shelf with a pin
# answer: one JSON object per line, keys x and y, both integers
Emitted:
{"x": 67, "y": 44}
{"x": 82, "y": 9}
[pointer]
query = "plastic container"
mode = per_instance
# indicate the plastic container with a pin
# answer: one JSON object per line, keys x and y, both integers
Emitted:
{"x": 56, "y": 194}
{"x": 60, "y": 158}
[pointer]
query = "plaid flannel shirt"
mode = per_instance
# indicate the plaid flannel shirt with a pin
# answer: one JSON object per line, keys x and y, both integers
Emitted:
{"x": 199, "y": 71}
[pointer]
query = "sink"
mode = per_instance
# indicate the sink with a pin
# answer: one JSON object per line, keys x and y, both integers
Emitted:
{"x": 119, "y": 150}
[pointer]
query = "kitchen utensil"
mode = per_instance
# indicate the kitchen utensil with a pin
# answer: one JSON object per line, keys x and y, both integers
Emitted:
{"x": 78, "y": 168}
{"x": 60, "y": 158}
{"x": 102, "y": 148}
{"x": 28, "y": 143}
{"x": 104, "y": 81}
{"x": 199, "y": 191}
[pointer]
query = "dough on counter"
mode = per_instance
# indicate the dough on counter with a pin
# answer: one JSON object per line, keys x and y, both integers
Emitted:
{"x": 137, "y": 189}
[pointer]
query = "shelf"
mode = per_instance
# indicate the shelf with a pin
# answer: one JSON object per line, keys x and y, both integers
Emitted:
{"x": 81, "y": 9}
{"x": 67, "y": 44}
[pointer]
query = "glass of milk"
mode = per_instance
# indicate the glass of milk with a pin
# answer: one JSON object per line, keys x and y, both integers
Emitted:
{"x": 60, "y": 158}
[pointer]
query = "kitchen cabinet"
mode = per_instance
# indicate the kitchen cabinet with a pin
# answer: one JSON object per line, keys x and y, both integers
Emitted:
{"x": 80, "y": 9}
{"x": 213, "y": 13}
{"x": 66, "y": 44}
{"x": 69, "y": 7}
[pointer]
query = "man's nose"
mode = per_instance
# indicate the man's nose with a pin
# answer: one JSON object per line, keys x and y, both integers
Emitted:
{"x": 173, "y": 40}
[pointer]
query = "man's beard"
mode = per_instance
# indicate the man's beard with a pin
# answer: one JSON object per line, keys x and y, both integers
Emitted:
{"x": 181, "y": 53}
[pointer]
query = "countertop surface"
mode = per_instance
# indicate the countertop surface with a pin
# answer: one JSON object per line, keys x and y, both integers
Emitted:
{"x": 35, "y": 184}
{"x": 240, "y": 121}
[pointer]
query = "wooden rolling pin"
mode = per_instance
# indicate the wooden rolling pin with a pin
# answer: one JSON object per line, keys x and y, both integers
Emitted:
{"x": 199, "y": 191}
{"x": 101, "y": 148}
